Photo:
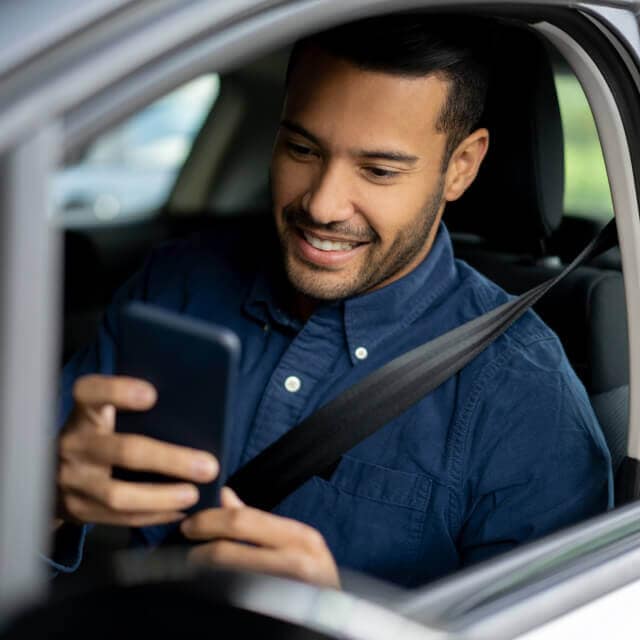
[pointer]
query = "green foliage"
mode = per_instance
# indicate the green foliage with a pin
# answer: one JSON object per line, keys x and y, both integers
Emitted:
{"x": 587, "y": 190}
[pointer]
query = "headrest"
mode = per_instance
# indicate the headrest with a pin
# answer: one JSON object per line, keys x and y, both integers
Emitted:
{"x": 516, "y": 200}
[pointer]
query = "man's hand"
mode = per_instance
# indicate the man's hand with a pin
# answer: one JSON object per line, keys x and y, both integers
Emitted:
{"x": 88, "y": 448}
{"x": 278, "y": 545}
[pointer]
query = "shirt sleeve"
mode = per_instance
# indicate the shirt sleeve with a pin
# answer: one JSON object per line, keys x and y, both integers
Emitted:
{"x": 536, "y": 458}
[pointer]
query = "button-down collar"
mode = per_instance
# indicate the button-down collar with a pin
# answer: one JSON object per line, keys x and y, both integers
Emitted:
{"x": 371, "y": 318}
{"x": 267, "y": 299}
{"x": 374, "y": 317}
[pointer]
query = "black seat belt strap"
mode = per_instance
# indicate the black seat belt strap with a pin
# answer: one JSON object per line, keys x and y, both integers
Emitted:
{"x": 317, "y": 443}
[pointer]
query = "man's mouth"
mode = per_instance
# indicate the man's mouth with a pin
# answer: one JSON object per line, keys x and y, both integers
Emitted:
{"x": 326, "y": 251}
{"x": 328, "y": 245}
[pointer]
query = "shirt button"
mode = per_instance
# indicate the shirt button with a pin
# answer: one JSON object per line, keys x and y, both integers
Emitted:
{"x": 292, "y": 384}
{"x": 361, "y": 353}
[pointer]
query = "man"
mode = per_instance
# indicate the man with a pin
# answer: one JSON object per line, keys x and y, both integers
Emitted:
{"x": 378, "y": 133}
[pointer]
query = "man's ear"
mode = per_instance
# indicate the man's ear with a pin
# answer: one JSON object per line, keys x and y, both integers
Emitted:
{"x": 464, "y": 164}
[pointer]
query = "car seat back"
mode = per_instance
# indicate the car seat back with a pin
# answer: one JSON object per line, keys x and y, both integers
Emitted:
{"x": 504, "y": 224}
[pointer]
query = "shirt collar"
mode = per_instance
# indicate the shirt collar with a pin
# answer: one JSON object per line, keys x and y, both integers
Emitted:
{"x": 371, "y": 318}
{"x": 266, "y": 300}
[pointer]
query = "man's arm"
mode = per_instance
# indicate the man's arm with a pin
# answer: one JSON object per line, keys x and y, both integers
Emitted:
{"x": 536, "y": 459}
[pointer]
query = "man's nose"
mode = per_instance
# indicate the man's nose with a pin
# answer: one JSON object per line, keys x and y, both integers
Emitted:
{"x": 329, "y": 198}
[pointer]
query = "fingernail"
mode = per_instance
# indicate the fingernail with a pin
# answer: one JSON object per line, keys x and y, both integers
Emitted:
{"x": 188, "y": 495}
{"x": 205, "y": 467}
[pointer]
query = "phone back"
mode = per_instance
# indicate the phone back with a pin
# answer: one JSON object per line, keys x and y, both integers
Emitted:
{"x": 193, "y": 366}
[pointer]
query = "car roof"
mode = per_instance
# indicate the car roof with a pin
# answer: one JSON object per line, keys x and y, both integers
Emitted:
{"x": 29, "y": 27}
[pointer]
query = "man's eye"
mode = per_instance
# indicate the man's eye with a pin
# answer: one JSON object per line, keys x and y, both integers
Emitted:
{"x": 299, "y": 149}
{"x": 381, "y": 174}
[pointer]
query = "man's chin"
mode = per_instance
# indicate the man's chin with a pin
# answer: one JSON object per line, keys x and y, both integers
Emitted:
{"x": 321, "y": 284}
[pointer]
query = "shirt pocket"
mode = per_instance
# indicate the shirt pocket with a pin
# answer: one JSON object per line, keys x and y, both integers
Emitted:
{"x": 373, "y": 518}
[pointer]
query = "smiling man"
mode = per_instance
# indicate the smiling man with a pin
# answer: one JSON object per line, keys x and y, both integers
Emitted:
{"x": 358, "y": 182}
{"x": 378, "y": 132}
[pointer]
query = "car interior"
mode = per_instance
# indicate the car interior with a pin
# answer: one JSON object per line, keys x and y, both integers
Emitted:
{"x": 511, "y": 225}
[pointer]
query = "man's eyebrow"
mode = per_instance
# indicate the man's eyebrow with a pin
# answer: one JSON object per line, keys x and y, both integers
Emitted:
{"x": 296, "y": 128}
{"x": 381, "y": 154}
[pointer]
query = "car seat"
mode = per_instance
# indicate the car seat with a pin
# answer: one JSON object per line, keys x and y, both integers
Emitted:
{"x": 504, "y": 226}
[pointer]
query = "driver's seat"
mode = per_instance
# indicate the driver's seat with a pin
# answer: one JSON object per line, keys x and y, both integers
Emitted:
{"x": 506, "y": 223}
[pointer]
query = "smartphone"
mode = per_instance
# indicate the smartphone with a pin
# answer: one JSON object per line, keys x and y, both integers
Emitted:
{"x": 193, "y": 366}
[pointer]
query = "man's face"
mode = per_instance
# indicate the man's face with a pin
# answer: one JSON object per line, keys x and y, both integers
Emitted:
{"x": 356, "y": 176}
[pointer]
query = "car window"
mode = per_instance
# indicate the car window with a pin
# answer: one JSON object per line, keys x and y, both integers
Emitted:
{"x": 587, "y": 192}
{"x": 127, "y": 173}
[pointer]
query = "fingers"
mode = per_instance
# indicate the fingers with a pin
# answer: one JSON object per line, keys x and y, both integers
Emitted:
{"x": 88, "y": 449}
{"x": 141, "y": 453}
{"x": 96, "y": 398}
{"x": 254, "y": 526}
{"x": 131, "y": 496}
{"x": 120, "y": 391}
{"x": 120, "y": 496}
{"x": 288, "y": 563}
{"x": 283, "y": 546}
{"x": 240, "y": 556}
{"x": 79, "y": 508}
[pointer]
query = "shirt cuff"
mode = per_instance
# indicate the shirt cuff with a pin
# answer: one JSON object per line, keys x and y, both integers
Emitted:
{"x": 68, "y": 545}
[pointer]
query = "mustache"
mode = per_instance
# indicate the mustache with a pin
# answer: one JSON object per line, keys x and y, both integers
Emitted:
{"x": 296, "y": 216}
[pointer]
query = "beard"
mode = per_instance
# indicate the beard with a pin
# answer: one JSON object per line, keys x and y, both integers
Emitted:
{"x": 376, "y": 265}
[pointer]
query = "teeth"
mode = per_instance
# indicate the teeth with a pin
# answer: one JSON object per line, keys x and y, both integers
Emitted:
{"x": 327, "y": 245}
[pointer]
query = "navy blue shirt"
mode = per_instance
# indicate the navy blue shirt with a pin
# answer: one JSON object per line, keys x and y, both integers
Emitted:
{"x": 505, "y": 451}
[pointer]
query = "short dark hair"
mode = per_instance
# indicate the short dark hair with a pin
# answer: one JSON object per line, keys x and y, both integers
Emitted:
{"x": 417, "y": 45}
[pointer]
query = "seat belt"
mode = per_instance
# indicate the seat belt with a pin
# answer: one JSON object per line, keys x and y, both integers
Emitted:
{"x": 314, "y": 446}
